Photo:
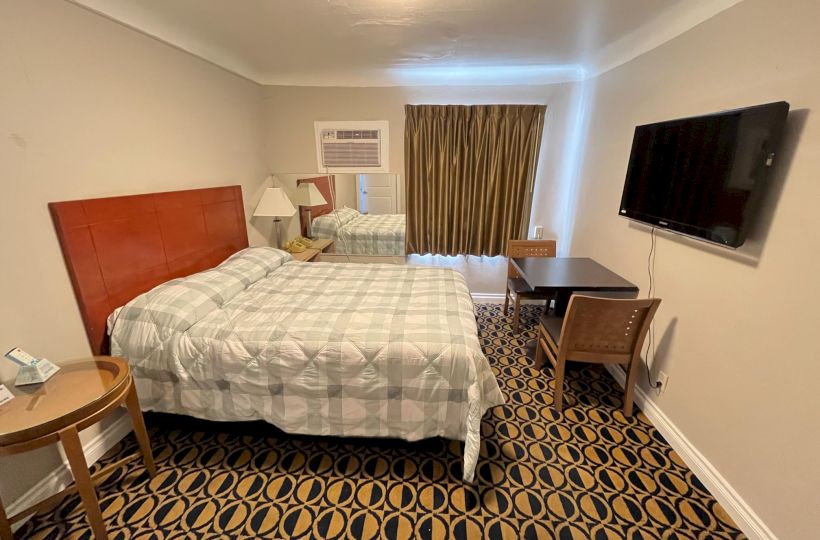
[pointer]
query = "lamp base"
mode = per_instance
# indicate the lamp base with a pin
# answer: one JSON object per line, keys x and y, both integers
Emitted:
{"x": 277, "y": 233}
{"x": 309, "y": 226}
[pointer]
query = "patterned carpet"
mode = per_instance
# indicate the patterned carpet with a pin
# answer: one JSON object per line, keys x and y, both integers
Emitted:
{"x": 590, "y": 473}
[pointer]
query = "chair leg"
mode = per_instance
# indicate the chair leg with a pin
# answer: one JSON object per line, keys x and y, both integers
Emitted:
{"x": 558, "y": 395}
{"x": 539, "y": 354}
{"x": 629, "y": 387}
{"x": 506, "y": 301}
{"x": 516, "y": 313}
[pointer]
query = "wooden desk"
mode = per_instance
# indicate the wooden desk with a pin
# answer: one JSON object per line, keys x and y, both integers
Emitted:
{"x": 77, "y": 396}
{"x": 567, "y": 275}
{"x": 320, "y": 245}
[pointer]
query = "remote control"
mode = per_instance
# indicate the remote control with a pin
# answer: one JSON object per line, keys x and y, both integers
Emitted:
{"x": 21, "y": 357}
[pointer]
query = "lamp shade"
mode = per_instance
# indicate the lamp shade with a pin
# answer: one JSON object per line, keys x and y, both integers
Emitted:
{"x": 307, "y": 194}
{"x": 274, "y": 203}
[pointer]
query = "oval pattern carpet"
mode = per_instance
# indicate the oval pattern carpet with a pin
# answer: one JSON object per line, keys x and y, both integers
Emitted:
{"x": 589, "y": 473}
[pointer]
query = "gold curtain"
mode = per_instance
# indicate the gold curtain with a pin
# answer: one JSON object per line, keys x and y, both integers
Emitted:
{"x": 469, "y": 172}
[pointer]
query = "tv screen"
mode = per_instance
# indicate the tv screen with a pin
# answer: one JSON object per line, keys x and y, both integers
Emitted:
{"x": 703, "y": 176}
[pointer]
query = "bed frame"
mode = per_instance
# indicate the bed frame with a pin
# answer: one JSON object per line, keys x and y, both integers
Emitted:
{"x": 327, "y": 187}
{"x": 117, "y": 248}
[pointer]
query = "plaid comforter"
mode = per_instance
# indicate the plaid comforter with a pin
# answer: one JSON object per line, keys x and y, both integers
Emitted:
{"x": 363, "y": 234}
{"x": 316, "y": 348}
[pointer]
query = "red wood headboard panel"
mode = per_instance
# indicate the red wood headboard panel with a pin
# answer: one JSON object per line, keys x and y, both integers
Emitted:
{"x": 117, "y": 248}
{"x": 327, "y": 187}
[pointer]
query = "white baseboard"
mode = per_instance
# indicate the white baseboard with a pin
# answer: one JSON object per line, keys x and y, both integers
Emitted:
{"x": 59, "y": 478}
{"x": 743, "y": 515}
{"x": 498, "y": 298}
{"x": 488, "y": 298}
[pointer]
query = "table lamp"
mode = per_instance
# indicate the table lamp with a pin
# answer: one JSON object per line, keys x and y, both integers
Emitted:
{"x": 308, "y": 195}
{"x": 276, "y": 204}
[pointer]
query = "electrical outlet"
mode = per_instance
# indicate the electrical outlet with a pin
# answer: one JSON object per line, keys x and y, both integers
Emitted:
{"x": 663, "y": 380}
{"x": 539, "y": 232}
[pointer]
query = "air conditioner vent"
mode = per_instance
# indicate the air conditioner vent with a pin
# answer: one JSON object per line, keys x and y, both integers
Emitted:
{"x": 351, "y": 134}
{"x": 350, "y": 154}
{"x": 352, "y": 146}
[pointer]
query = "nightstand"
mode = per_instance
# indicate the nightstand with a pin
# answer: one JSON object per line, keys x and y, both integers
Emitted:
{"x": 320, "y": 245}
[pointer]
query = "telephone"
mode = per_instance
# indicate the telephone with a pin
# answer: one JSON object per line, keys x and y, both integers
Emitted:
{"x": 298, "y": 244}
{"x": 32, "y": 370}
{"x": 294, "y": 247}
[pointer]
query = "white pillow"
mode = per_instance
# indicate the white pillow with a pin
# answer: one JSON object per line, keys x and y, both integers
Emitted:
{"x": 346, "y": 215}
{"x": 252, "y": 264}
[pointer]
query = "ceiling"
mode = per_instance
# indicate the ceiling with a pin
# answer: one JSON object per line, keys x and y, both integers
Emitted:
{"x": 395, "y": 42}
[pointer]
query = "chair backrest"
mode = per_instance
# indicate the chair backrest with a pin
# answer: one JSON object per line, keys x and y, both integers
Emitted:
{"x": 605, "y": 329}
{"x": 527, "y": 248}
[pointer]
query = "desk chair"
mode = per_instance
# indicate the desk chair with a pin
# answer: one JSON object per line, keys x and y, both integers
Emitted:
{"x": 517, "y": 288}
{"x": 599, "y": 331}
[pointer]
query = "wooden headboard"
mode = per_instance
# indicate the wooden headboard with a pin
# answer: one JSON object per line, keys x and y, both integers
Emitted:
{"x": 327, "y": 187}
{"x": 117, "y": 248}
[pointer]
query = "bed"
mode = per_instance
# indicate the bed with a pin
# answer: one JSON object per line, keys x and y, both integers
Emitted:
{"x": 315, "y": 348}
{"x": 359, "y": 234}
{"x": 353, "y": 233}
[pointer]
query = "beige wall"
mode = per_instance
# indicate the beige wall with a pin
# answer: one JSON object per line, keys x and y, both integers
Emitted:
{"x": 89, "y": 108}
{"x": 290, "y": 112}
{"x": 736, "y": 332}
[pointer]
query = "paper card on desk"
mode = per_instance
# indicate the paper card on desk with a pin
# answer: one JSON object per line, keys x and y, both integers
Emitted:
{"x": 39, "y": 371}
{"x": 5, "y": 395}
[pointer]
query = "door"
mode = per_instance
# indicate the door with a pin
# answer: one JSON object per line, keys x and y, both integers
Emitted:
{"x": 377, "y": 193}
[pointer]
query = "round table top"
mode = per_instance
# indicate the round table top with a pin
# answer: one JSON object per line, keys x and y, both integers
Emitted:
{"x": 80, "y": 388}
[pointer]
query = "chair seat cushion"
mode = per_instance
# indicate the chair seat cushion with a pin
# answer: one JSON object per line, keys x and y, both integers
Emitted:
{"x": 552, "y": 325}
{"x": 522, "y": 289}
{"x": 518, "y": 286}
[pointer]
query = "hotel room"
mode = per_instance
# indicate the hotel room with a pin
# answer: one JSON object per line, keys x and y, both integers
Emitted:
{"x": 382, "y": 269}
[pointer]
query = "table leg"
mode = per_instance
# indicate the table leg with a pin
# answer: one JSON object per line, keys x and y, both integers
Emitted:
{"x": 562, "y": 302}
{"x": 85, "y": 486}
{"x": 5, "y": 525}
{"x": 133, "y": 404}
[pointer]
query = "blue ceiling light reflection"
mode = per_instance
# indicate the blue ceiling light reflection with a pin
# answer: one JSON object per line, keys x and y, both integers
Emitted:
{"x": 571, "y": 168}
{"x": 485, "y": 75}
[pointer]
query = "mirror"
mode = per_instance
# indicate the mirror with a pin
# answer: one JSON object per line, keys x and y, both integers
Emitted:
{"x": 363, "y": 214}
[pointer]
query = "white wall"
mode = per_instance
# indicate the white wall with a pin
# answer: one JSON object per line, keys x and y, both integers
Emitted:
{"x": 736, "y": 331}
{"x": 291, "y": 110}
{"x": 89, "y": 108}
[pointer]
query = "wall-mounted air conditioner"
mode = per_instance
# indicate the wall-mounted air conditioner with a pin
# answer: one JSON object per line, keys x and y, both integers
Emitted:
{"x": 351, "y": 147}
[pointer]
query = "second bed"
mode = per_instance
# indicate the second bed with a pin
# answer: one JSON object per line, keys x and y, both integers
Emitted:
{"x": 362, "y": 234}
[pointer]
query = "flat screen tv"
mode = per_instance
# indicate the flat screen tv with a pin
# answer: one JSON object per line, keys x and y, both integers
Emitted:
{"x": 703, "y": 176}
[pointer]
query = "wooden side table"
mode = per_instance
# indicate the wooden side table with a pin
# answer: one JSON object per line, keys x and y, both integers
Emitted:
{"x": 320, "y": 245}
{"x": 77, "y": 396}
